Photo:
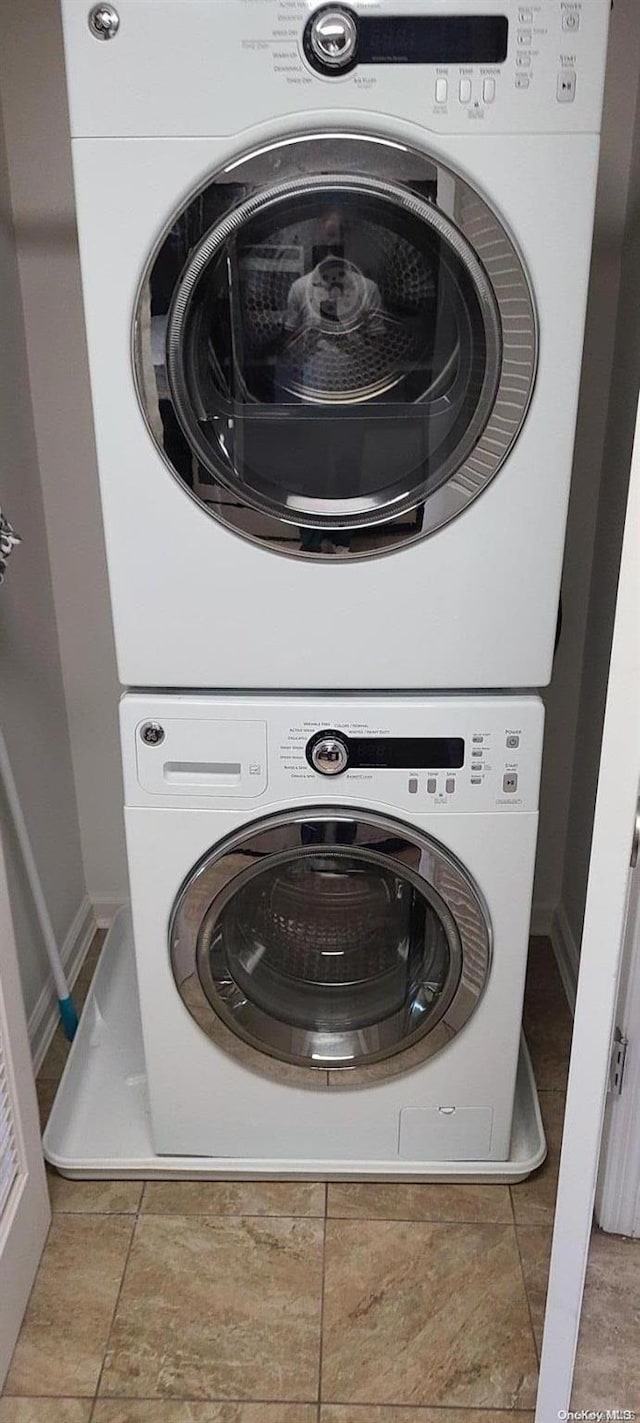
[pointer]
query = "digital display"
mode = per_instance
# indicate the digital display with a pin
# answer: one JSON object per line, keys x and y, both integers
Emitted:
{"x": 428, "y": 39}
{"x": 406, "y": 753}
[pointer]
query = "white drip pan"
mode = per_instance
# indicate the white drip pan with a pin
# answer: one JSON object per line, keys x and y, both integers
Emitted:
{"x": 99, "y": 1125}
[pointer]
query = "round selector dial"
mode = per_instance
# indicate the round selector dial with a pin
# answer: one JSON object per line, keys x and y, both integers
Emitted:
{"x": 328, "y": 753}
{"x": 332, "y": 39}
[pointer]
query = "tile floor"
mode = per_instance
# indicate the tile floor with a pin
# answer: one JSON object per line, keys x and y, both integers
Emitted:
{"x": 278, "y": 1302}
{"x": 607, "y": 1373}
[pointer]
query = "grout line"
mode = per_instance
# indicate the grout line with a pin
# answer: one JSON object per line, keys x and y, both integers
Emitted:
{"x": 324, "y": 1242}
{"x": 420, "y": 1220}
{"x": 135, "y": 1217}
{"x": 363, "y": 1408}
{"x": 322, "y": 1289}
{"x": 433, "y": 1410}
{"x": 526, "y": 1295}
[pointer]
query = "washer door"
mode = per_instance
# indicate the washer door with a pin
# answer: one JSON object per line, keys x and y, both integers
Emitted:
{"x": 331, "y": 940}
{"x": 335, "y": 345}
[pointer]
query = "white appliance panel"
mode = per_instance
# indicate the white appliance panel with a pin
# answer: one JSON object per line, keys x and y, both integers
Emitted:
{"x": 205, "y": 1100}
{"x": 474, "y": 604}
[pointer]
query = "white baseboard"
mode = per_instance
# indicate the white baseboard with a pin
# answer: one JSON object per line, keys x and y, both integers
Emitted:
{"x": 542, "y": 918}
{"x": 567, "y": 954}
{"x": 105, "y": 911}
{"x": 43, "y": 1019}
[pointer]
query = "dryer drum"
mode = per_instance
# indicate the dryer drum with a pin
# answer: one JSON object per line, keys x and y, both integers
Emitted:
{"x": 331, "y": 941}
{"x": 391, "y": 319}
{"x": 335, "y": 345}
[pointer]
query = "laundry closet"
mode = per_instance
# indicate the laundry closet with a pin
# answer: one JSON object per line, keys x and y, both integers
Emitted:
{"x": 324, "y": 702}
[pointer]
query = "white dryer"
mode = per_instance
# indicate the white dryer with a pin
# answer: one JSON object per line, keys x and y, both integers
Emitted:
{"x": 331, "y": 905}
{"x": 335, "y": 264}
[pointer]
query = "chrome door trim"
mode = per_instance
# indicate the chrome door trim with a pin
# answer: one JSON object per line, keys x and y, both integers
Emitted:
{"x": 439, "y": 877}
{"x": 480, "y": 234}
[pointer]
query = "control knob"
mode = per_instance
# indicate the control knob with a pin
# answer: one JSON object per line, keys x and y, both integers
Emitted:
{"x": 333, "y": 37}
{"x": 328, "y": 753}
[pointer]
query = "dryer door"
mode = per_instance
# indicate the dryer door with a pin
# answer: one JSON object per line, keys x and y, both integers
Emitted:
{"x": 335, "y": 345}
{"x": 331, "y": 939}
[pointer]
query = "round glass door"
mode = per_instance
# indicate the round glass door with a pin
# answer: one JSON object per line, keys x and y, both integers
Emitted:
{"x": 335, "y": 346}
{"x": 331, "y": 941}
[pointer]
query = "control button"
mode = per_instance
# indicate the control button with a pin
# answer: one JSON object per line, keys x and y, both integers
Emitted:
{"x": 465, "y": 91}
{"x": 566, "y": 91}
{"x": 413, "y": 785}
{"x": 442, "y": 91}
{"x": 476, "y": 739}
{"x": 525, "y": 17}
{"x": 450, "y": 785}
{"x": 476, "y": 766}
{"x": 571, "y": 20}
{"x": 510, "y": 782}
{"x": 432, "y": 785}
{"x": 523, "y": 61}
{"x": 525, "y": 36}
{"x": 489, "y": 91}
{"x": 328, "y": 753}
{"x": 523, "y": 81}
{"x": 512, "y": 742}
{"x": 476, "y": 780}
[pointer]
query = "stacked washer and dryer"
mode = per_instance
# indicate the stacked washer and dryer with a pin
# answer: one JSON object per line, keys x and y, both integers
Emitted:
{"x": 335, "y": 264}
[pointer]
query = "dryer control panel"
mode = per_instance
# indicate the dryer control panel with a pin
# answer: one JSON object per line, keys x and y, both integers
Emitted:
{"x": 188, "y": 69}
{"x": 412, "y": 754}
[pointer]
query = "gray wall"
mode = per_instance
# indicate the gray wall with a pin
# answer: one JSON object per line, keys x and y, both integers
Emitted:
{"x": 32, "y": 704}
{"x": 620, "y": 425}
{"x": 33, "y": 91}
{"x": 563, "y": 695}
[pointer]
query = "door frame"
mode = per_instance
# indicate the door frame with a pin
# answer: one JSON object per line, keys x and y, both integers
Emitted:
{"x": 600, "y": 963}
{"x": 27, "y": 1215}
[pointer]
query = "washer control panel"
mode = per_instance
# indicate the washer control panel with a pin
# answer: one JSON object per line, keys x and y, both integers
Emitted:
{"x": 426, "y": 770}
{"x": 414, "y": 754}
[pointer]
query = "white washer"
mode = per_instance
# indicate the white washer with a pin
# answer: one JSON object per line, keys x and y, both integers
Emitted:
{"x": 335, "y": 266}
{"x": 331, "y": 961}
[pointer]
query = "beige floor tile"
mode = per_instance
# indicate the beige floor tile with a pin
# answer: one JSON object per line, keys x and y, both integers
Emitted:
{"x": 65, "y": 1329}
{"x": 53, "y": 1065}
{"x": 534, "y": 1243}
{"x": 548, "y": 1023}
{"x": 336, "y": 1414}
{"x": 45, "y": 1410}
{"x": 270, "y": 1198}
{"x": 95, "y": 1197}
{"x": 549, "y": 1044}
{"x": 543, "y": 978}
{"x": 426, "y": 1314}
{"x": 219, "y": 1308}
{"x": 368, "y": 1201}
{"x": 85, "y": 976}
{"x": 534, "y": 1200}
{"x": 152, "y": 1411}
{"x": 45, "y": 1091}
{"x": 607, "y": 1373}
